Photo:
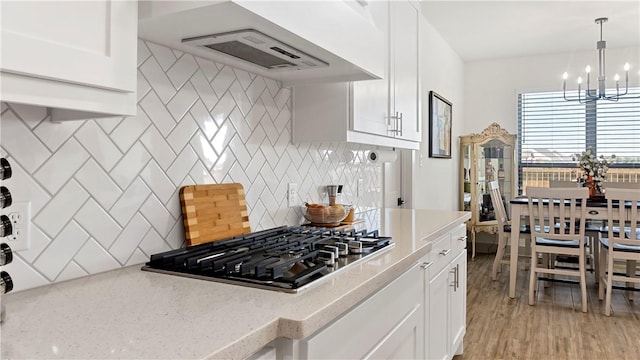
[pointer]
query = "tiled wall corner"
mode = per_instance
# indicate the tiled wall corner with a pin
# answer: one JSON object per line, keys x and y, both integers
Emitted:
{"x": 104, "y": 193}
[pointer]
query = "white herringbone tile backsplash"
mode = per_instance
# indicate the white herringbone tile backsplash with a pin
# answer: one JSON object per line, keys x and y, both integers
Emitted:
{"x": 104, "y": 193}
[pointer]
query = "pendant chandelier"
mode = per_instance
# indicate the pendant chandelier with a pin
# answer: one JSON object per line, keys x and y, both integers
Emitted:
{"x": 599, "y": 93}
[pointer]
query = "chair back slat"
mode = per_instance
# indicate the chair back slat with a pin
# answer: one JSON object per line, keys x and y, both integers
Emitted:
{"x": 498, "y": 205}
{"x": 564, "y": 219}
{"x": 619, "y": 203}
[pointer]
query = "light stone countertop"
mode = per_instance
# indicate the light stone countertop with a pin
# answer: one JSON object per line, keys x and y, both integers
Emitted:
{"x": 133, "y": 314}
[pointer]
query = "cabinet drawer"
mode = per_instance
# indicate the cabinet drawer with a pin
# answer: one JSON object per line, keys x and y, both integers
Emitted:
{"x": 441, "y": 253}
{"x": 459, "y": 238}
{"x": 367, "y": 325}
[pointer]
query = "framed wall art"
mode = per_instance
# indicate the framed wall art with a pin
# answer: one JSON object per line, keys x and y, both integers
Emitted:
{"x": 439, "y": 126}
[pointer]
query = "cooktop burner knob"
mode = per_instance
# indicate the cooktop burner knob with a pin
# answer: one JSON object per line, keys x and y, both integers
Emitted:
{"x": 355, "y": 247}
{"x": 333, "y": 249}
{"x": 327, "y": 257}
{"x": 5, "y": 197}
{"x": 343, "y": 249}
{"x": 6, "y": 283}
{"x": 5, "y": 169}
{"x": 5, "y": 226}
{"x": 6, "y": 255}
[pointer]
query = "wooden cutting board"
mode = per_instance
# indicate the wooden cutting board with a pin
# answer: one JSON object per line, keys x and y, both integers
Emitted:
{"x": 213, "y": 212}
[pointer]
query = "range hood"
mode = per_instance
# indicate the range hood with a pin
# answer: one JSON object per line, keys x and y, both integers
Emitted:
{"x": 257, "y": 48}
{"x": 296, "y": 42}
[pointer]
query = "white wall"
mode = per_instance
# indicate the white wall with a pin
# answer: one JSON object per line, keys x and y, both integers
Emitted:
{"x": 492, "y": 87}
{"x": 435, "y": 181}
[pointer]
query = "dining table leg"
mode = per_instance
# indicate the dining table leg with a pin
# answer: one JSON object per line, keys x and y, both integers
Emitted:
{"x": 515, "y": 245}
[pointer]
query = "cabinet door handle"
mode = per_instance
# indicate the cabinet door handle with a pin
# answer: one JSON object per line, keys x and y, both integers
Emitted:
{"x": 457, "y": 276}
{"x": 453, "y": 283}
{"x": 426, "y": 265}
{"x": 456, "y": 279}
{"x": 391, "y": 118}
{"x": 445, "y": 252}
{"x": 463, "y": 238}
{"x": 395, "y": 125}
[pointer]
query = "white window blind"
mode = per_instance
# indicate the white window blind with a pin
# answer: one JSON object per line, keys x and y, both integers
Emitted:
{"x": 618, "y": 130}
{"x": 551, "y": 129}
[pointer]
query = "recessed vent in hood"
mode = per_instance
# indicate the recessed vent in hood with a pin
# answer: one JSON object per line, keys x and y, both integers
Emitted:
{"x": 257, "y": 48}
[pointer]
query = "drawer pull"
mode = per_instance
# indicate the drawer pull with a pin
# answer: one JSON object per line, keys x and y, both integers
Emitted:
{"x": 463, "y": 238}
{"x": 445, "y": 252}
{"x": 426, "y": 265}
{"x": 593, "y": 212}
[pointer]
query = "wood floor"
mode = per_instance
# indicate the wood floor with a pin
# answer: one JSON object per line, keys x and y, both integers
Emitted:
{"x": 502, "y": 328}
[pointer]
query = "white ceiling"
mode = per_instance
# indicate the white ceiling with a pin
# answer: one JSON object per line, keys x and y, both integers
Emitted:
{"x": 479, "y": 30}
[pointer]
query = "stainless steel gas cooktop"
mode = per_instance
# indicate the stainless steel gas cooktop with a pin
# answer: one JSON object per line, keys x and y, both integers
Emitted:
{"x": 285, "y": 258}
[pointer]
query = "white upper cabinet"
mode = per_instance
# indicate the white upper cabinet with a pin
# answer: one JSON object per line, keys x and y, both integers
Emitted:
{"x": 383, "y": 112}
{"x": 371, "y": 98}
{"x": 77, "y": 58}
{"x": 404, "y": 78}
{"x": 390, "y": 107}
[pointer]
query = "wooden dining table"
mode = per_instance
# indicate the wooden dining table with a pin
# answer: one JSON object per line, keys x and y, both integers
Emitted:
{"x": 596, "y": 210}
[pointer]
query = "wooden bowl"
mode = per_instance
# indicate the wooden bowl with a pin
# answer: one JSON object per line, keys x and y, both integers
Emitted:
{"x": 325, "y": 215}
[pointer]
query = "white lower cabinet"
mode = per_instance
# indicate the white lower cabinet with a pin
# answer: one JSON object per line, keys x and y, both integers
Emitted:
{"x": 445, "y": 294}
{"x": 419, "y": 315}
{"x": 437, "y": 314}
{"x": 458, "y": 298}
{"x": 387, "y": 325}
{"x": 266, "y": 353}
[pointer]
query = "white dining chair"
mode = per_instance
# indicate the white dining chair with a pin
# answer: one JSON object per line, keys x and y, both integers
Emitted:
{"x": 603, "y": 228}
{"x": 568, "y": 207}
{"x": 504, "y": 229}
{"x": 621, "y": 243}
{"x": 591, "y": 231}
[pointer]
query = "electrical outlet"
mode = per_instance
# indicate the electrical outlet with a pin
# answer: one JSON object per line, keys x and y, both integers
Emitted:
{"x": 292, "y": 194}
{"x": 20, "y": 215}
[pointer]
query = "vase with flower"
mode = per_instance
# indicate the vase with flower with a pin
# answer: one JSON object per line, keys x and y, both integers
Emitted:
{"x": 593, "y": 187}
{"x": 593, "y": 170}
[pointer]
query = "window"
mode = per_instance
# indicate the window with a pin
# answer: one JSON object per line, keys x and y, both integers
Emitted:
{"x": 551, "y": 130}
